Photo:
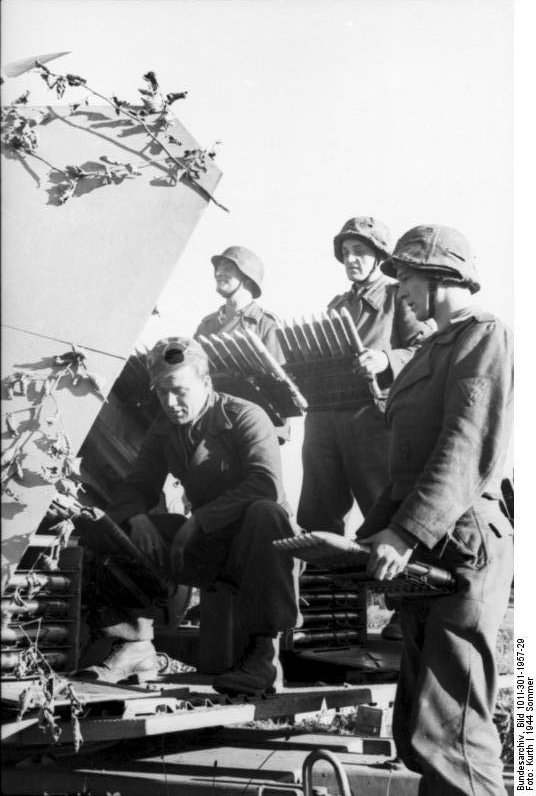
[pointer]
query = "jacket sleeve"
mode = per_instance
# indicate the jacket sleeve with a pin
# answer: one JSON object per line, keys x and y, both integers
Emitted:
{"x": 406, "y": 335}
{"x": 473, "y": 437}
{"x": 379, "y": 516}
{"x": 258, "y": 451}
{"x": 140, "y": 491}
{"x": 336, "y": 301}
{"x": 201, "y": 329}
{"x": 271, "y": 341}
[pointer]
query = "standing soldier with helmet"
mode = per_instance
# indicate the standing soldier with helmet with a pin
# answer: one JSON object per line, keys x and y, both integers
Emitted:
{"x": 449, "y": 415}
{"x": 239, "y": 274}
{"x": 345, "y": 450}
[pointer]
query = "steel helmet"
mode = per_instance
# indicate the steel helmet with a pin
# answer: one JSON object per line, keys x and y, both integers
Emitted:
{"x": 247, "y": 263}
{"x": 440, "y": 252}
{"x": 368, "y": 229}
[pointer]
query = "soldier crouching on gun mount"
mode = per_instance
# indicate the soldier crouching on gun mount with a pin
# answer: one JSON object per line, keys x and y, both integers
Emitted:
{"x": 449, "y": 414}
{"x": 225, "y": 453}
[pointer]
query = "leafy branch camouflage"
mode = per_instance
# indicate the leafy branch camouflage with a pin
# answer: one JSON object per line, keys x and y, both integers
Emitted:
{"x": 190, "y": 163}
{"x": 69, "y": 368}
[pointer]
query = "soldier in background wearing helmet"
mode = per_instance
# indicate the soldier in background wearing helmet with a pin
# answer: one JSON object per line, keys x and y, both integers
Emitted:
{"x": 449, "y": 415}
{"x": 345, "y": 450}
{"x": 239, "y": 274}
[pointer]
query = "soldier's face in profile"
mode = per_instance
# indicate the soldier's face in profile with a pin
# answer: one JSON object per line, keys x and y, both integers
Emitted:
{"x": 228, "y": 278}
{"x": 359, "y": 259}
{"x": 182, "y": 394}
{"x": 413, "y": 288}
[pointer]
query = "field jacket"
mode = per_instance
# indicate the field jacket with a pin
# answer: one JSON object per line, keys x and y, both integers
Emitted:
{"x": 252, "y": 317}
{"x": 449, "y": 414}
{"x": 235, "y": 463}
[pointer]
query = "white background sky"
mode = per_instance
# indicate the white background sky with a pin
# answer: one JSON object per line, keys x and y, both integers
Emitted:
{"x": 326, "y": 109}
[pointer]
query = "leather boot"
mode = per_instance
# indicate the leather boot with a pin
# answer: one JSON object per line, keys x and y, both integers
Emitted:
{"x": 136, "y": 660}
{"x": 258, "y": 672}
{"x": 392, "y": 630}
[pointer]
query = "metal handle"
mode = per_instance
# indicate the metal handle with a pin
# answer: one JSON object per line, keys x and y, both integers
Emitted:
{"x": 340, "y": 774}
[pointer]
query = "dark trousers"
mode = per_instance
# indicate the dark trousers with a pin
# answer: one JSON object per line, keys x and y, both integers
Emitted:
{"x": 344, "y": 457}
{"x": 244, "y": 559}
{"x": 443, "y": 715}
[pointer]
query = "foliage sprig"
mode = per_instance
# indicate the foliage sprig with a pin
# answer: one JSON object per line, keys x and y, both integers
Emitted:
{"x": 63, "y": 467}
{"x": 153, "y": 115}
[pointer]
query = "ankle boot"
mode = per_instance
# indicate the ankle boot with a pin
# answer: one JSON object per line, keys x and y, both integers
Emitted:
{"x": 257, "y": 672}
{"x": 128, "y": 660}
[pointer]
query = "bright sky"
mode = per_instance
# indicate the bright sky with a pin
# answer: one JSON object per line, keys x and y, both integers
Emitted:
{"x": 400, "y": 109}
{"x": 326, "y": 109}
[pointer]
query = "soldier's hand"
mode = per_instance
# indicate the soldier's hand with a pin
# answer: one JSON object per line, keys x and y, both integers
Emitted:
{"x": 145, "y": 535}
{"x": 372, "y": 361}
{"x": 180, "y": 542}
{"x": 389, "y": 554}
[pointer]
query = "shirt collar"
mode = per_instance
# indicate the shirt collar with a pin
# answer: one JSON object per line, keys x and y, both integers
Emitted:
{"x": 457, "y": 320}
{"x": 466, "y": 312}
{"x": 252, "y": 311}
{"x": 372, "y": 293}
{"x": 192, "y": 428}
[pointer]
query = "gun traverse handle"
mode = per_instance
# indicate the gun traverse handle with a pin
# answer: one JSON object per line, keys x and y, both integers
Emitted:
{"x": 435, "y": 575}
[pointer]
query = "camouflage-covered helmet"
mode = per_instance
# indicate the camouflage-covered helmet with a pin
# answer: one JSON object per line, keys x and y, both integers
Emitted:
{"x": 247, "y": 263}
{"x": 365, "y": 228}
{"x": 172, "y": 353}
{"x": 440, "y": 252}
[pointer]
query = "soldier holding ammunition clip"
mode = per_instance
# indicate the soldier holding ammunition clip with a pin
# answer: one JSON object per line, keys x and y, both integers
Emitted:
{"x": 345, "y": 450}
{"x": 449, "y": 415}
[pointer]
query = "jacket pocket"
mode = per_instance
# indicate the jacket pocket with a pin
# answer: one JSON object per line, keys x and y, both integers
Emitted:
{"x": 467, "y": 542}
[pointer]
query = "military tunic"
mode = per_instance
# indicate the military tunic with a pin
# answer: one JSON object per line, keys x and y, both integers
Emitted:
{"x": 252, "y": 317}
{"x": 345, "y": 450}
{"x": 264, "y": 324}
{"x": 449, "y": 414}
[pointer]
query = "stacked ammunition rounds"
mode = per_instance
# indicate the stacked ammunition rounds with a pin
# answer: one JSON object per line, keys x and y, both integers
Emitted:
{"x": 323, "y": 337}
{"x": 332, "y": 336}
{"x": 241, "y": 352}
{"x": 333, "y": 590}
{"x": 331, "y": 617}
{"x": 244, "y": 356}
{"x": 42, "y": 608}
{"x": 320, "y": 355}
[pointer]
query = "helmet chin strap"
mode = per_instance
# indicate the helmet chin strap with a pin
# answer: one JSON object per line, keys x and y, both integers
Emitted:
{"x": 432, "y": 293}
{"x": 372, "y": 275}
{"x": 237, "y": 288}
